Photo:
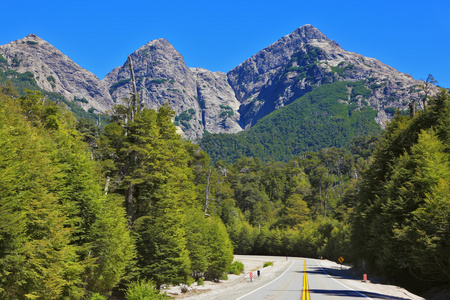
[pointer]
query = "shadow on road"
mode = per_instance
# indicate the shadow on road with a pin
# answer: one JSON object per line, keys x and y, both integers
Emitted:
{"x": 354, "y": 294}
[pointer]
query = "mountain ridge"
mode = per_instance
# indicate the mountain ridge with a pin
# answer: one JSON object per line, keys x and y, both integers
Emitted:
{"x": 217, "y": 102}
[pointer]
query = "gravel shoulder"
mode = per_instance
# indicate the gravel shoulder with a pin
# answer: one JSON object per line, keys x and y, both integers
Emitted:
{"x": 238, "y": 285}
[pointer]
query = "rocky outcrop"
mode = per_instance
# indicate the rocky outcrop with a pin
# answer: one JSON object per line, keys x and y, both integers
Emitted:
{"x": 305, "y": 59}
{"x": 55, "y": 72}
{"x": 202, "y": 100}
{"x": 217, "y": 101}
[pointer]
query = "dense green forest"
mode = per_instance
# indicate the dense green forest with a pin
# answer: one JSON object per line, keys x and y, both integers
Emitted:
{"x": 329, "y": 116}
{"x": 401, "y": 224}
{"x": 86, "y": 213}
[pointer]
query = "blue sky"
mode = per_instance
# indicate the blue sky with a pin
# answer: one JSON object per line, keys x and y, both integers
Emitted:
{"x": 411, "y": 36}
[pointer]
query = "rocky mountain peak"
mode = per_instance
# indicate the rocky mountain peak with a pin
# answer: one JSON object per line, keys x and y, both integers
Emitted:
{"x": 55, "y": 72}
{"x": 308, "y": 33}
{"x": 251, "y": 75}
{"x": 305, "y": 59}
{"x": 202, "y": 100}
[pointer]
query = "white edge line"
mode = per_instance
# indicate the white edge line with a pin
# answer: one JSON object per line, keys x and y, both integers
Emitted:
{"x": 341, "y": 282}
{"x": 266, "y": 283}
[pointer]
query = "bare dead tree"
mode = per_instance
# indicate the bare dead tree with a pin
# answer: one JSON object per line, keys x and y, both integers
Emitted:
{"x": 208, "y": 189}
{"x": 426, "y": 88}
{"x": 132, "y": 110}
{"x": 134, "y": 94}
{"x": 412, "y": 107}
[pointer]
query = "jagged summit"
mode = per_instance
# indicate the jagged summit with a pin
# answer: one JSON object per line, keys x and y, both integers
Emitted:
{"x": 33, "y": 36}
{"x": 202, "y": 100}
{"x": 305, "y": 59}
{"x": 308, "y": 33}
{"x": 56, "y": 72}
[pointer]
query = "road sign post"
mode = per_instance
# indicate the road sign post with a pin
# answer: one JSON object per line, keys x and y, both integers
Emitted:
{"x": 251, "y": 276}
{"x": 341, "y": 260}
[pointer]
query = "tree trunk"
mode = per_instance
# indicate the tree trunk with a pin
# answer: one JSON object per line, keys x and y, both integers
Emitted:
{"x": 207, "y": 200}
{"x": 129, "y": 205}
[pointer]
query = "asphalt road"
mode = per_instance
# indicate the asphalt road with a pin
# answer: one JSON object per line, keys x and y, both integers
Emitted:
{"x": 304, "y": 280}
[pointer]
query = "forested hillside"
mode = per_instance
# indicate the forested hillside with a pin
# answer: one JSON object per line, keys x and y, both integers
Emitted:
{"x": 329, "y": 116}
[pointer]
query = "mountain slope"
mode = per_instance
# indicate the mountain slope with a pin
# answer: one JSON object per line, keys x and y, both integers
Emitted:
{"x": 55, "y": 72}
{"x": 330, "y": 116}
{"x": 305, "y": 59}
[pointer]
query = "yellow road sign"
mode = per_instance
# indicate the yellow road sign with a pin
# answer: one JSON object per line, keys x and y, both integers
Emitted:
{"x": 341, "y": 259}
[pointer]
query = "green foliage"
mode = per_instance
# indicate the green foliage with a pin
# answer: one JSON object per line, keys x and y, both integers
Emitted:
{"x": 24, "y": 82}
{"x": 227, "y": 113}
{"x": 200, "y": 281}
{"x": 220, "y": 251}
{"x": 315, "y": 121}
{"x": 32, "y": 43}
{"x": 97, "y": 296}
{"x": 184, "y": 116}
{"x": 118, "y": 84}
{"x": 159, "y": 80}
{"x": 61, "y": 236}
{"x": 267, "y": 264}
{"x": 16, "y": 61}
{"x": 144, "y": 290}
{"x": 82, "y": 100}
{"x": 3, "y": 60}
{"x": 397, "y": 228}
{"x": 341, "y": 70}
{"x": 236, "y": 268}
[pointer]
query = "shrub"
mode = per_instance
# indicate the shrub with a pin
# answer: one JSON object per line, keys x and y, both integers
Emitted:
{"x": 82, "y": 100}
{"x": 144, "y": 290}
{"x": 267, "y": 264}
{"x": 3, "y": 60}
{"x": 97, "y": 296}
{"x": 390, "y": 110}
{"x": 236, "y": 268}
{"x": 118, "y": 84}
{"x": 159, "y": 80}
{"x": 224, "y": 277}
{"x": 200, "y": 281}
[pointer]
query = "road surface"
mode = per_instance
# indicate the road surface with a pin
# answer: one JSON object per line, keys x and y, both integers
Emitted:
{"x": 296, "y": 278}
{"x": 305, "y": 280}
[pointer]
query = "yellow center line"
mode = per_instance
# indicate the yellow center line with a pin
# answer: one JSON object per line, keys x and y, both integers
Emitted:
{"x": 305, "y": 294}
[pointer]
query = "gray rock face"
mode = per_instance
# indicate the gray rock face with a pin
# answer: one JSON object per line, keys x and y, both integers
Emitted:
{"x": 55, "y": 72}
{"x": 202, "y": 100}
{"x": 216, "y": 102}
{"x": 305, "y": 59}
